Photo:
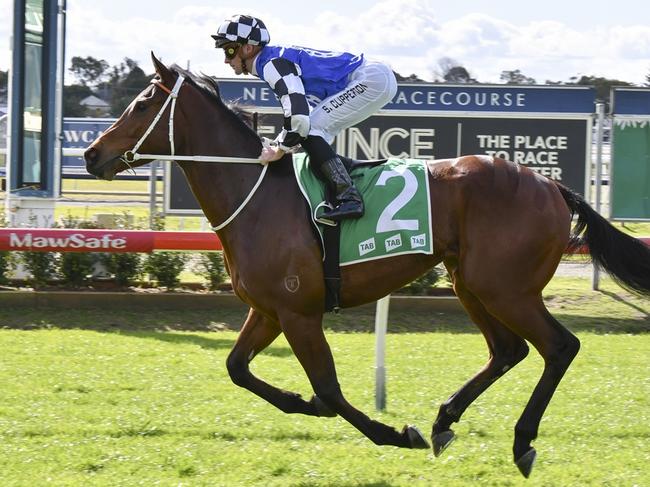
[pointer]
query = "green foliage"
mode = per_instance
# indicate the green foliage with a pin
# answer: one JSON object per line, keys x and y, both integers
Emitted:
{"x": 516, "y": 77}
{"x": 424, "y": 283}
{"x": 211, "y": 266}
{"x": 72, "y": 95}
{"x": 88, "y": 70}
{"x": 125, "y": 267}
{"x": 6, "y": 264}
{"x": 602, "y": 85}
{"x": 41, "y": 265}
{"x": 76, "y": 268}
{"x": 126, "y": 81}
{"x": 165, "y": 267}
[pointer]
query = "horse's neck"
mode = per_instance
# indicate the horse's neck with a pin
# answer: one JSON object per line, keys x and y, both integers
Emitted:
{"x": 220, "y": 187}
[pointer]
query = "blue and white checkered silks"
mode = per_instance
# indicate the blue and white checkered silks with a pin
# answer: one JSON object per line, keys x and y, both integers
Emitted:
{"x": 242, "y": 29}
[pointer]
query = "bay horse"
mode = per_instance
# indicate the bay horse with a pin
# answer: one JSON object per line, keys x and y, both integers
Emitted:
{"x": 499, "y": 228}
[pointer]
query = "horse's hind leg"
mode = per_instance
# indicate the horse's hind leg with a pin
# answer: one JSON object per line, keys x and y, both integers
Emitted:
{"x": 306, "y": 337}
{"x": 528, "y": 317}
{"x": 257, "y": 333}
{"x": 506, "y": 350}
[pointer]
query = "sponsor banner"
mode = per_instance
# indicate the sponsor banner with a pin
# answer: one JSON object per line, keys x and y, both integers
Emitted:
{"x": 67, "y": 240}
{"x": 99, "y": 240}
{"x": 446, "y": 98}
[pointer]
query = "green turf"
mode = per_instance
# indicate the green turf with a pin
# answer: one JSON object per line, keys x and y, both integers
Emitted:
{"x": 97, "y": 398}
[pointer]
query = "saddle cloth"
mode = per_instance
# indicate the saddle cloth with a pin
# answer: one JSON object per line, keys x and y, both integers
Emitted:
{"x": 398, "y": 212}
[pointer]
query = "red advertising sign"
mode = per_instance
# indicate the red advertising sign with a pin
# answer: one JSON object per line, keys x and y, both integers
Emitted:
{"x": 82, "y": 240}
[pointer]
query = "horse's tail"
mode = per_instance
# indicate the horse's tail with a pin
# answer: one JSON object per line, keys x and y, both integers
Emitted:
{"x": 625, "y": 258}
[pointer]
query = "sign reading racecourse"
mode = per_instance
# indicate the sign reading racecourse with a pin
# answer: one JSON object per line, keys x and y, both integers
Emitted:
{"x": 547, "y": 129}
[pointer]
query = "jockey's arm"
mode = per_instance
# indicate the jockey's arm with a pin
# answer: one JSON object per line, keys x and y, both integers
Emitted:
{"x": 283, "y": 76}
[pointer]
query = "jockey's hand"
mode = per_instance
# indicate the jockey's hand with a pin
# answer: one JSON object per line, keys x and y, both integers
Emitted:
{"x": 270, "y": 154}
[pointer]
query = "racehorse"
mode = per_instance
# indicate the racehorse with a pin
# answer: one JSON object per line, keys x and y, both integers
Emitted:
{"x": 499, "y": 228}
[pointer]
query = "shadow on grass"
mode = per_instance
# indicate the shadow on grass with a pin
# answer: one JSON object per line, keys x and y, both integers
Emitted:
{"x": 210, "y": 343}
{"x": 601, "y": 312}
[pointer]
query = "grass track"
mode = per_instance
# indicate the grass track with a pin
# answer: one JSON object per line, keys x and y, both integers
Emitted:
{"x": 96, "y": 398}
{"x": 94, "y": 408}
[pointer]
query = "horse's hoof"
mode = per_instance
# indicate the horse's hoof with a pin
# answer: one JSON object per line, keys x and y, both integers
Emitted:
{"x": 441, "y": 441}
{"x": 321, "y": 408}
{"x": 526, "y": 461}
{"x": 416, "y": 438}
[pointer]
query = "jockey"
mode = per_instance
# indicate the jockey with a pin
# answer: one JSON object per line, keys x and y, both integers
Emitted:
{"x": 321, "y": 93}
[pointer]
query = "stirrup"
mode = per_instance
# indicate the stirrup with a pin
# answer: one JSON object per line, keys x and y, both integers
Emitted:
{"x": 356, "y": 212}
{"x": 320, "y": 218}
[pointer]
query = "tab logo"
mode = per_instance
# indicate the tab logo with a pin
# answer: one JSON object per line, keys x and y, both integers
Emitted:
{"x": 367, "y": 246}
{"x": 393, "y": 242}
{"x": 418, "y": 241}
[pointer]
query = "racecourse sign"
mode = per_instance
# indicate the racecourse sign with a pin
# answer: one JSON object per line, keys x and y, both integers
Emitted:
{"x": 547, "y": 129}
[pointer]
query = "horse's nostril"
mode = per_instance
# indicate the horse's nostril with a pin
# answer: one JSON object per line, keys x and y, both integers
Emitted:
{"x": 90, "y": 155}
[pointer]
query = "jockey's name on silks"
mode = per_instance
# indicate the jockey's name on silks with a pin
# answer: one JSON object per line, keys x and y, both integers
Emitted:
{"x": 398, "y": 212}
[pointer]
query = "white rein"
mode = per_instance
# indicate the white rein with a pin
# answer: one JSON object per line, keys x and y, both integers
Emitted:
{"x": 132, "y": 155}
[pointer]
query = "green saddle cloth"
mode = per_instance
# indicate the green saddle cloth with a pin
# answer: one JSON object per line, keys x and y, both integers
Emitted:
{"x": 398, "y": 213}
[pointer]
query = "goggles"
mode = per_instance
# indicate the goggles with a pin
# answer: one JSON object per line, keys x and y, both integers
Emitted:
{"x": 230, "y": 51}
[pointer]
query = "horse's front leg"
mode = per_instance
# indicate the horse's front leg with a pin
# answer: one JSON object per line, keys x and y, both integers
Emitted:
{"x": 258, "y": 333}
{"x": 307, "y": 340}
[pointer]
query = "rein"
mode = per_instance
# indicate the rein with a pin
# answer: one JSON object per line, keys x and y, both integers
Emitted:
{"x": 132, "y": 155}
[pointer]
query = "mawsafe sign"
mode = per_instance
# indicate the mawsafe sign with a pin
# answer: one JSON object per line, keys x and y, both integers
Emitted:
{"x": 547, "y": 129}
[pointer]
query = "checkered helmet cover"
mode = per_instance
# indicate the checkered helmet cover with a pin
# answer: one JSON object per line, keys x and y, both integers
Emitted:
{"x": 243, "y": 29}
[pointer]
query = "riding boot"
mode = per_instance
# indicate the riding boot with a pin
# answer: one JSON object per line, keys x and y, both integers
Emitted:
{"x": 349, "y": 203}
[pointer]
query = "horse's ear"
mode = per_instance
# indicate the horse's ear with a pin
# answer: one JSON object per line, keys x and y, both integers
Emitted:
{"x": 162, "y": 70}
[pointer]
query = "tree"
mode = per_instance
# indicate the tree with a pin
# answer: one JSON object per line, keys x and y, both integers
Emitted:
{"x": 412, "y": 78}
{"x": 451, "y": 71}
{"x": 72, "y": 95}
{"x": 516, "y": 77}
{"x": 88, "y": 70}
{"x": 127, "y": 80}
{"x": 603, "y": 85}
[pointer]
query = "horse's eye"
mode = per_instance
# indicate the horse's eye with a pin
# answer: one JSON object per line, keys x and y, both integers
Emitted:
{"x": 140, "y": 106}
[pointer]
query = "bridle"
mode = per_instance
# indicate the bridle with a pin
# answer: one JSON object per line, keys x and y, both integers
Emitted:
{"x": 132, "y": 155}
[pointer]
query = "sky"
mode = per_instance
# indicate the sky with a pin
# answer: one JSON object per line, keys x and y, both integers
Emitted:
{"x": 546, "y": 40}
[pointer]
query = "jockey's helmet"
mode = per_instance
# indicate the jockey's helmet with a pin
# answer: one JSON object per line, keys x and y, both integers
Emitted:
{"x": 243, "y": 29}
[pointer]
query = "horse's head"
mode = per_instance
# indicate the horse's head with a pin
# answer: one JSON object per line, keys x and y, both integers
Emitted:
{"x": 112, "y": 152}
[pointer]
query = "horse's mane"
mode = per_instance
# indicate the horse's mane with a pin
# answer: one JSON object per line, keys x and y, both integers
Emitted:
{"x": 209, "y": 86}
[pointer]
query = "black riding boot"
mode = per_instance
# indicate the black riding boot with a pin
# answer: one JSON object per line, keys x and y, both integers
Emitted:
{"x": 349, "y": 203}
{"x": 329, "y": 167}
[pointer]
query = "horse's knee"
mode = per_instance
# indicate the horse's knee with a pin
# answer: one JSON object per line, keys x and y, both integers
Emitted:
{"x": 237, "y": 369}
{"x": 330, "y": 394}
{"x": 563, "y": 354}
{"x": 517, "y": 353}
